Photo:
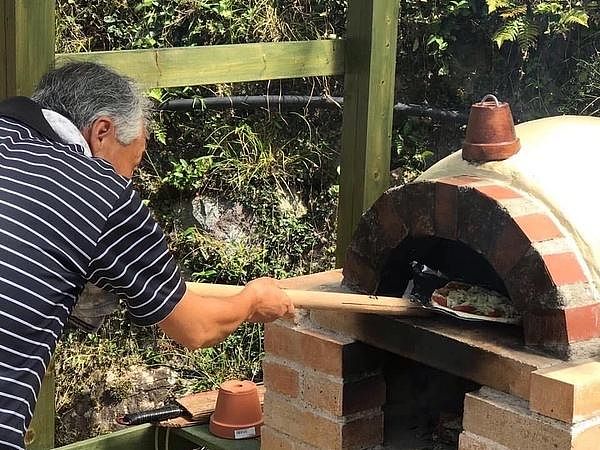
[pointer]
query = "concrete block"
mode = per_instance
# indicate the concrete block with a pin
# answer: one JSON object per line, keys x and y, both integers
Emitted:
{"x": 308, "y": 427}
{"x": 507, "y": 421}
{"x": 469, "y": 441}
{"x": 338, "y": 398}
{"x": 325, "y": 352}
{"x": 272, "y": 439}
{"x": 568, "y": 392}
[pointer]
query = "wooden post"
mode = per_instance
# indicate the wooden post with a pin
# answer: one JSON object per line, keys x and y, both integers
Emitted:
{"x": 27, "y": 37}
{"x": 371, "y": 34}
{"x": 40, "y": 435}
{"x": 26, "y": 44}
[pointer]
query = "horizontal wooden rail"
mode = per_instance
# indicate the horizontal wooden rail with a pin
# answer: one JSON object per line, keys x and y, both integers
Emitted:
{"x": 191, "y": 66}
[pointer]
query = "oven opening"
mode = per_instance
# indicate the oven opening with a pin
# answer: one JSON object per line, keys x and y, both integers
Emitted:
{"x": 453, "y": 258}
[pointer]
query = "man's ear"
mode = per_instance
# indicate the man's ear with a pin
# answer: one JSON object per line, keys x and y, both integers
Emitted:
{"x": 100, "y": 135}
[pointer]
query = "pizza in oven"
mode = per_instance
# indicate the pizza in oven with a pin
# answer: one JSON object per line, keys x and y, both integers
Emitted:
{"x": 476, "y": 300}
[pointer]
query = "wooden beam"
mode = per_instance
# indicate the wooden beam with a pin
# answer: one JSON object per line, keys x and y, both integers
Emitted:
{"x": 26, "y": 44}
{"x": 368, "y": 100}
{"x": 190, "y": 66}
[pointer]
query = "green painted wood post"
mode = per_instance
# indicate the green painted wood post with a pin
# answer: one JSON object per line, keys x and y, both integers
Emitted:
{"x": 40, "y": 435}
{"x": 26, "y": 44}
{"x": 372, "y": 30}
{"x": 27, "y": 34}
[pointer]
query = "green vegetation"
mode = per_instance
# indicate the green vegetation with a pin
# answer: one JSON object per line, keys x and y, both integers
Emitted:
{"x": 279, "y": 171}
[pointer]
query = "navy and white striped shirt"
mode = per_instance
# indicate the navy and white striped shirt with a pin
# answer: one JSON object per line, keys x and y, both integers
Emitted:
{"x": 66, "y": 219}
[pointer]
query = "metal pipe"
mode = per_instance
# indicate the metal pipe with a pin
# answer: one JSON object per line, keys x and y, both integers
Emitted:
{"x": 292, "y": 102}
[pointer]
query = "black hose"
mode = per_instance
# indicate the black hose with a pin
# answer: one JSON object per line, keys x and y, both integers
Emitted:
{"x": 154, "y": 415}
{"x": 252, "y": 102}
{"x": 291, "y": 102}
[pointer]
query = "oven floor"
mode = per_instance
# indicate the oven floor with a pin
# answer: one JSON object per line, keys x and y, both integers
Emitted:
{"x": 417, "y": 437}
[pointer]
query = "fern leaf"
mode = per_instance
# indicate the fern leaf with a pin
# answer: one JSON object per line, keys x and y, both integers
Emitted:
{"x": 548, "y": 8}
{"x": 528, "y": 34}
{"x": 574, "y": 17}
{"x": 513, "y": 12}
{"x": 508, "y": 32}
{"x": 493, "y": 5}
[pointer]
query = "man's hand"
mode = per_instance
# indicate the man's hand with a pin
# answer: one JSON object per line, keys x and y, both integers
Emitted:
{"x": 269, "y": 301}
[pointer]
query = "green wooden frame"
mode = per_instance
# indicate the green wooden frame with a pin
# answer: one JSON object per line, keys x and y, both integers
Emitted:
{"x": 26, "y": 44}
{"x": 150, "y": 437}
{"x": 190, "y": 66}
{"x": 372, "y": 32}
{"x": 366, "y": 58}
{"x": 27, "y": 51}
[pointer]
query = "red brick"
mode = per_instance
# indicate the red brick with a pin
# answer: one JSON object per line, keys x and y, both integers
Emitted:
{"x": 418, "y": 207}
{"x": 463, "y": 180}
{"x": 282, "y": 341}
{"x": 538, "y": 227}
{"x": 480, "y": 219}
{"x": 322, "y": 432}
{"x": 583, "y": 323}
{"x": 326, "y": 353}
{"x": 446, "y": 225}
{"x": 271, "y": 439}
{"x": 339, "y": 398}
{"x": 564, "y": 268}
{"x": 369, "y": 240}
{"x": 497, "y": 192}
{"x": 336, "y": 357}
{"x": 545, "y": 327}
{"x": 364, "y": 432}
{"x": 358, "y": 273}
{"x": 391, "y": 224}
{"x": 321, "y": 352}
{"x": 510, "y": 246}
{"x": 280, "y": 378}
{"x": 561, "y": 326}
{"x": 529, "y": 284}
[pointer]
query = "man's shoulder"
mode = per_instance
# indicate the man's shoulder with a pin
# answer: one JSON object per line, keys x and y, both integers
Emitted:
{"x": 28, "y": 113}
{"x": 45, "y": 158}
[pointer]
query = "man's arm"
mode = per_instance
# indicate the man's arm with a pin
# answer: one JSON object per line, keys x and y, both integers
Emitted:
{"x": 199, "y": 321}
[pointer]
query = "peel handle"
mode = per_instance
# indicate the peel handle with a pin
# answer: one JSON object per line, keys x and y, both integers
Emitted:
{"x": 334, "y": 301}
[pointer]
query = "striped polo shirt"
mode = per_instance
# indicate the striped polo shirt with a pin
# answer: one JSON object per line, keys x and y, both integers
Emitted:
{"x": 65, "y": 219}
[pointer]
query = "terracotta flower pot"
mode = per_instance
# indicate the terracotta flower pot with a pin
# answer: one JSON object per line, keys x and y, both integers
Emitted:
{"x": 490, "y": 132}
{"x": 238, "y": 414}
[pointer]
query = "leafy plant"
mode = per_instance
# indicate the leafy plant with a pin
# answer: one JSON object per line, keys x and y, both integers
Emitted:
{"x": 189, "y": 175}
{"x": 524, "y": 23}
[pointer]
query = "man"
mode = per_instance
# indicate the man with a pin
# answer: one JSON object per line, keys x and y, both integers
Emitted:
{"x": 69, "y": 216}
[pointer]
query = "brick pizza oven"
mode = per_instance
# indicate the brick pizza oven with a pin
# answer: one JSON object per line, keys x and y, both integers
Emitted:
{"x": 529, "y": 227}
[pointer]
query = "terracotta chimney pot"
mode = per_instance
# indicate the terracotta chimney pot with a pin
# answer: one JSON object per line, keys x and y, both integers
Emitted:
{"x": 490, "y": 132}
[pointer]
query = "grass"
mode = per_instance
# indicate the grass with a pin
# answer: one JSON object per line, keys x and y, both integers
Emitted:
{"x": 94, "y": 368}
{"x": 283, "y": 173}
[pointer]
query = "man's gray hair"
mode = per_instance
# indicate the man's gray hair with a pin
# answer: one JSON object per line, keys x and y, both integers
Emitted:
{"x": 85, "y": 91}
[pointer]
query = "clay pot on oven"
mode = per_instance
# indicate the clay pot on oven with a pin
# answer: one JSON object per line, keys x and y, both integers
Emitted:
{"x": 238, "y": 414}
{"x": 490, "y": 132}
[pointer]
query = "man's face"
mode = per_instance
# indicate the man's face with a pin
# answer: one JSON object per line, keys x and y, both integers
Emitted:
{"x": 101, "y": 137}
{"x": 127, "y": 157}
